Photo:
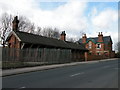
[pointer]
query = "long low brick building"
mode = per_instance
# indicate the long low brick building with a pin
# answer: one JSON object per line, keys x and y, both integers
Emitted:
{"x": 21, "y": 40}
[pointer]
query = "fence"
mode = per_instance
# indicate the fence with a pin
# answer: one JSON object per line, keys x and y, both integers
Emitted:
{"x": 13, "y": 58}
{"x": 0, "y": 57}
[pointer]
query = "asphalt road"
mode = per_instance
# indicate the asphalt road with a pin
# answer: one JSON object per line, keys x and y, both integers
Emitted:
{"x": 90, "y": 75}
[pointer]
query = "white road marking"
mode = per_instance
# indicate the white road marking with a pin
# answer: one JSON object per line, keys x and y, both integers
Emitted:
{"x": 106, "y": 66}
{"x": 23, "y": 87}
{"x": 20, "y": 88}
{"x": 77, "y": 74}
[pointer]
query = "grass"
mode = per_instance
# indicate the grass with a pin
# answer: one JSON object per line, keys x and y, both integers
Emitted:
{"x": 9, "y": 65}
{"x": 18, "y": 64}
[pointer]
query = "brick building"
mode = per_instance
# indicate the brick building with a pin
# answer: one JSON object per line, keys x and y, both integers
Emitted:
{"x": 22, "y": 40}
{"x": 99, "y": 47}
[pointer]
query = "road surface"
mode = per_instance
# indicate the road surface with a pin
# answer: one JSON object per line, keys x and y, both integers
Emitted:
{"x": 102, "y": 74}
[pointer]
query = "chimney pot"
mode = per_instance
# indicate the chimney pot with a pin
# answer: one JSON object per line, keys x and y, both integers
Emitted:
{"x": 84, "y": 38}
{"x": 63, "y": 36}
{"x": 99, "y": 33}
{"x": 85, "y": 35}
{"x": 100, "y": 37}
{"x": 15, "y": 23}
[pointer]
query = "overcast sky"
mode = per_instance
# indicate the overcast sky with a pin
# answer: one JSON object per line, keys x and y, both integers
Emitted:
{"x": 71, "y": 16}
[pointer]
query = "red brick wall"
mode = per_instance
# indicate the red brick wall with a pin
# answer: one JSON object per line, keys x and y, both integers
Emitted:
{"x": 112, "y": 54}
{"x": 100, "y": 38}
{"x": 105, "y": 51}
{"x": 101, "y": 49}
{"x": 78, "y": 55}
{"x": 13, "y": 42}
{"x": 93, "y": 49}
{"x": 96, "y": 57}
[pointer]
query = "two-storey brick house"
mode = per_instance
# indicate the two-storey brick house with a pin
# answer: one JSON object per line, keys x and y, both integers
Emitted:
{"x": 98, "y": 46}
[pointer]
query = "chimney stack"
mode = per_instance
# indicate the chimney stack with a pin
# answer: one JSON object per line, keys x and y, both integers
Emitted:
{"x": 100, "y": 37}
{"x": 15, "y": 23}
{"x": 84, "y": 38}
{"x": 63, "y": 36}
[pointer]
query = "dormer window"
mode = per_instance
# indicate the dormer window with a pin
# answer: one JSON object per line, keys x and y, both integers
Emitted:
{"x": 98, "y": 46}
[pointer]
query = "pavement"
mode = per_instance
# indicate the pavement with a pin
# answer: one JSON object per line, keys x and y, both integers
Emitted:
{"x": 39, "y": 68}
{"x": 100, "y": 74}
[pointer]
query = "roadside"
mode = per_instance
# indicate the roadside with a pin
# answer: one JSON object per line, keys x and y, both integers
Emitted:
{"x": 39, "y": 68}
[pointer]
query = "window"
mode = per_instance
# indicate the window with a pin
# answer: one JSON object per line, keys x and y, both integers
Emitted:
{"x": 90, "y": 45}
{"x": 106, "y": 54}
{"x": 98, "y": 53}
{"x": 98, "y": 46}
{"x": 90, "y": 53}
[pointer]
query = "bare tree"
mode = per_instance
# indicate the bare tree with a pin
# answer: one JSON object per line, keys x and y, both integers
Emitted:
{"x": 38, "y": 32}
{"x": 82, "y": 33}
{"x": 56, "y": 33}
{"x": 26, "y": 25}
{"x": 5, "y": 28}
{"x": 45, "y": 32}
{"x": 31, "y": 28}
{"x": 71, "y": 39}
{"x": 117, "y": 47}
{"x": 6, "y": 25}
{"x": 49, "y": 32}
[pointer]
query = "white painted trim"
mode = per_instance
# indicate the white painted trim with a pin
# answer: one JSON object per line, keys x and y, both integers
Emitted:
{"x": 12, "y": 32}
{"x": 31, "y": 46}
{"x": 16, "y": 36}
{"x": 23, "y": 44}
{"x": 9, "y": 35}
{"x": 97, "y": 46}
{"x": 99, "y": 51}
{"x": 106, "y": 51}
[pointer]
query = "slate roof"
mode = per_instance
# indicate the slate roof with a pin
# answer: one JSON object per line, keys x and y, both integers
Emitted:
{"x": 42, "y": 40}
{"x": 75, "y": 45}
{"x": 106, "y": 39}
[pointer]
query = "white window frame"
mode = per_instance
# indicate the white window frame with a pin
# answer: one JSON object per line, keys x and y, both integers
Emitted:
{"x": 98, "y": 53}
{"x": 90, "y": 45}
{"x": 97, "y": 45}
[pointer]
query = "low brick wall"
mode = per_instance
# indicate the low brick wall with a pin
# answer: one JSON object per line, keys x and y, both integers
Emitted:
{"x": 95, "y": 57}
{"x": 112, "y": 54}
